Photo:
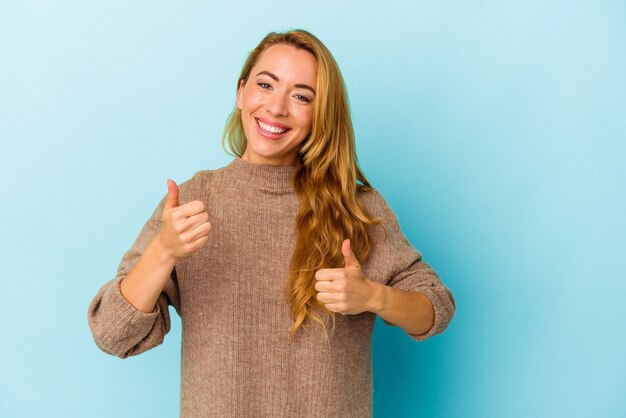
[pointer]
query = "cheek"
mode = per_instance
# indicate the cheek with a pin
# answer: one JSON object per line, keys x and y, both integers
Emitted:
{"x": 305, "y": 119}
{"x": 252, "y": 101}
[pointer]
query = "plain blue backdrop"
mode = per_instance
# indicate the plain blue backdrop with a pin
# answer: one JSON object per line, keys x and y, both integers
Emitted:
{"x": 495, "y": 130}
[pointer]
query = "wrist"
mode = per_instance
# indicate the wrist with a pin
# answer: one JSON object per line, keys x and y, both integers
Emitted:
{"x": 161, "y": 253}
{"x": 380, "y": 295}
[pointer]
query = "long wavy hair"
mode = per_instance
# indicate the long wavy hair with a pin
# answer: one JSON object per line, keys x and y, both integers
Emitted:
{"x": 327, "y": 180}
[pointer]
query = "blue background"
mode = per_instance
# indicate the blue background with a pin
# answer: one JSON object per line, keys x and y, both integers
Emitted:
{"x": 494, "y": 129}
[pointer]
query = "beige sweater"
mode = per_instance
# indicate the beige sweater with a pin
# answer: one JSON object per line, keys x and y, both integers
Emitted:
{"x": 237, "y": 357}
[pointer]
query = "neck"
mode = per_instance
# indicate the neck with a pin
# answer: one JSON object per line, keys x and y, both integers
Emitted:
{"x": 266, "y": 176}
{"x": 257, "y": 159}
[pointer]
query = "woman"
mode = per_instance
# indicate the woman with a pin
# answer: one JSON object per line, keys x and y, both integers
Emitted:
{"x": 259, "y": 256}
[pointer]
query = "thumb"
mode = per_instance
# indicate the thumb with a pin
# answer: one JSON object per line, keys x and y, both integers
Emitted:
{"x": 172, "y": 195}
{"x": 348, "y": 255}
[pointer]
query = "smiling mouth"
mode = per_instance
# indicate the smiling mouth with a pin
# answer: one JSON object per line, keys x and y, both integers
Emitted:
{"x": 270, "y": 130}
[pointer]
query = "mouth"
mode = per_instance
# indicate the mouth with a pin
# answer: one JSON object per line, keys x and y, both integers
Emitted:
{"x": 271, "y": 130}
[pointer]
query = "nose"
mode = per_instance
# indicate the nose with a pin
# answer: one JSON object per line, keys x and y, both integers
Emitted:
{"x": 277, "y": 104}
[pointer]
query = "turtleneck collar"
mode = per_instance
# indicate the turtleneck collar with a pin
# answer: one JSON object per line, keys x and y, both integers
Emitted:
{"x": 276, "y": 177}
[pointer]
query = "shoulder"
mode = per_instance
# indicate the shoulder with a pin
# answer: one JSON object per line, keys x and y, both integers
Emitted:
{"x": 375, "y": 204}
{"x": 203, "y": 178}
{"x": 199, "y": 184}
{"x": 388, "y": 230}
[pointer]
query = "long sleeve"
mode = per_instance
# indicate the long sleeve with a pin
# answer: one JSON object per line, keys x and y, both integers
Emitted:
{"x": 117, "y": 327}
{"x": 413, "y": 274}
{"x": 409, "y": 272}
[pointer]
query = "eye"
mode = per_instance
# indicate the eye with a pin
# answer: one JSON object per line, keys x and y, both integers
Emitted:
{"x": 264, "y": 86}
{"x": 302, "y": 98}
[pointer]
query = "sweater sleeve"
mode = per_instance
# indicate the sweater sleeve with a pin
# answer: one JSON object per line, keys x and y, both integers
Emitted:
{"x": 409, "y": 272}
{"x": 117, "y": 327}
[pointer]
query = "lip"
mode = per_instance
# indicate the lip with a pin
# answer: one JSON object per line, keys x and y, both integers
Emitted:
{"x": 270, "y": 135}
{"x": 272, "y": 123}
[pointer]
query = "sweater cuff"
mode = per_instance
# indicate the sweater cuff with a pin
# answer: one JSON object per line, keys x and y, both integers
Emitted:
{"x": 438, "y": 297}
{"x": 126, "y": 321}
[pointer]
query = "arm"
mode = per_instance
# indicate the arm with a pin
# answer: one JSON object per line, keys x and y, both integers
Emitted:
{"x": 410, "y": 293}
{"x": 411, "y": 311}
{"x": 129, "y": 315}
{"x": 184, "y": 230}
{"x": 143, "y": 285}
{"x": 118, "y": 327}
{"x": 414, "y": 298}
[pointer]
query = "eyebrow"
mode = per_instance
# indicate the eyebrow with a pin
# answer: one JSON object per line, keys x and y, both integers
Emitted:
{"x": 275, "y": 78}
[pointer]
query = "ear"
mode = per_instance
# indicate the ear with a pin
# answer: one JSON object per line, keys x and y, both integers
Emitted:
{"x": 242, "y": 83}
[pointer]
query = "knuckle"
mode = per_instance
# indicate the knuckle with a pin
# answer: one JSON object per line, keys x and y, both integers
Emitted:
{"x": 198, "y": 205}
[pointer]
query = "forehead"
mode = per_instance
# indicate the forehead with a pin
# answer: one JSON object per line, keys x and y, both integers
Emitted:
{"x": 288, "y": 63}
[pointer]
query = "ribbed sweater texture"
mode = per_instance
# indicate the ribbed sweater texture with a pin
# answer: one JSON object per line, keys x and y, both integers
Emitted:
{"x": 238, "y": 359}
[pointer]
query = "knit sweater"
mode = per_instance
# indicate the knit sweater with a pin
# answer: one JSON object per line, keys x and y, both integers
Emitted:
{"x": 237, "y": 357}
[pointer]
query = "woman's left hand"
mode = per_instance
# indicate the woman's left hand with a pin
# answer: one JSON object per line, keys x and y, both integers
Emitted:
{"x": 345, "y": 290}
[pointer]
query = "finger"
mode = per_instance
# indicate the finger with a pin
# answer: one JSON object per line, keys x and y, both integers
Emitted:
{"x": 348, "y": 255}
{"x": 195, "y": 221}
{"x": 330, "y": 274}
{"x": 202, "y": 240}
{"x": 334, "y": 307}
{"x": 197, "y": 244}
{"x": 326, "y": 297}
{"x": 191, "y": 208}
{"x": 324, "y": 286}
{"x": 172, "y": 195}
{"x": 196, "y": 233}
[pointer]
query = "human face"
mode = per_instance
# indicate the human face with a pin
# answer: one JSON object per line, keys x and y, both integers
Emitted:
{"x": 276, "y": 104}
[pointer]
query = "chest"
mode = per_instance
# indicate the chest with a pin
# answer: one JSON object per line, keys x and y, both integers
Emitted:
{"x": 248, "y": 253}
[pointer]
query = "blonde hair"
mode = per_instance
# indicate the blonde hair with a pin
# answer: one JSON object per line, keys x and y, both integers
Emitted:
{"x": 325, "y": 180}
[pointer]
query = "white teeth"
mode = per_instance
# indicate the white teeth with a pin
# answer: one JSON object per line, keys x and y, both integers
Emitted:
{"x": 270, "y": 128}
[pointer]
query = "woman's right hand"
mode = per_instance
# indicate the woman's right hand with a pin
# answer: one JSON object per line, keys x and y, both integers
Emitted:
{"x": 184, "y": 229}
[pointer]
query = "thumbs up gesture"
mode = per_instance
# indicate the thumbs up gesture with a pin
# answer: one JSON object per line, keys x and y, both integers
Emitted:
{"x": 345, "y": 290}
{"x": 184, "y": 229}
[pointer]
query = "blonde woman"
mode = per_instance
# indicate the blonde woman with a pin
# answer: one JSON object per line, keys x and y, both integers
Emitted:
{"x": 260, "y": 256}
